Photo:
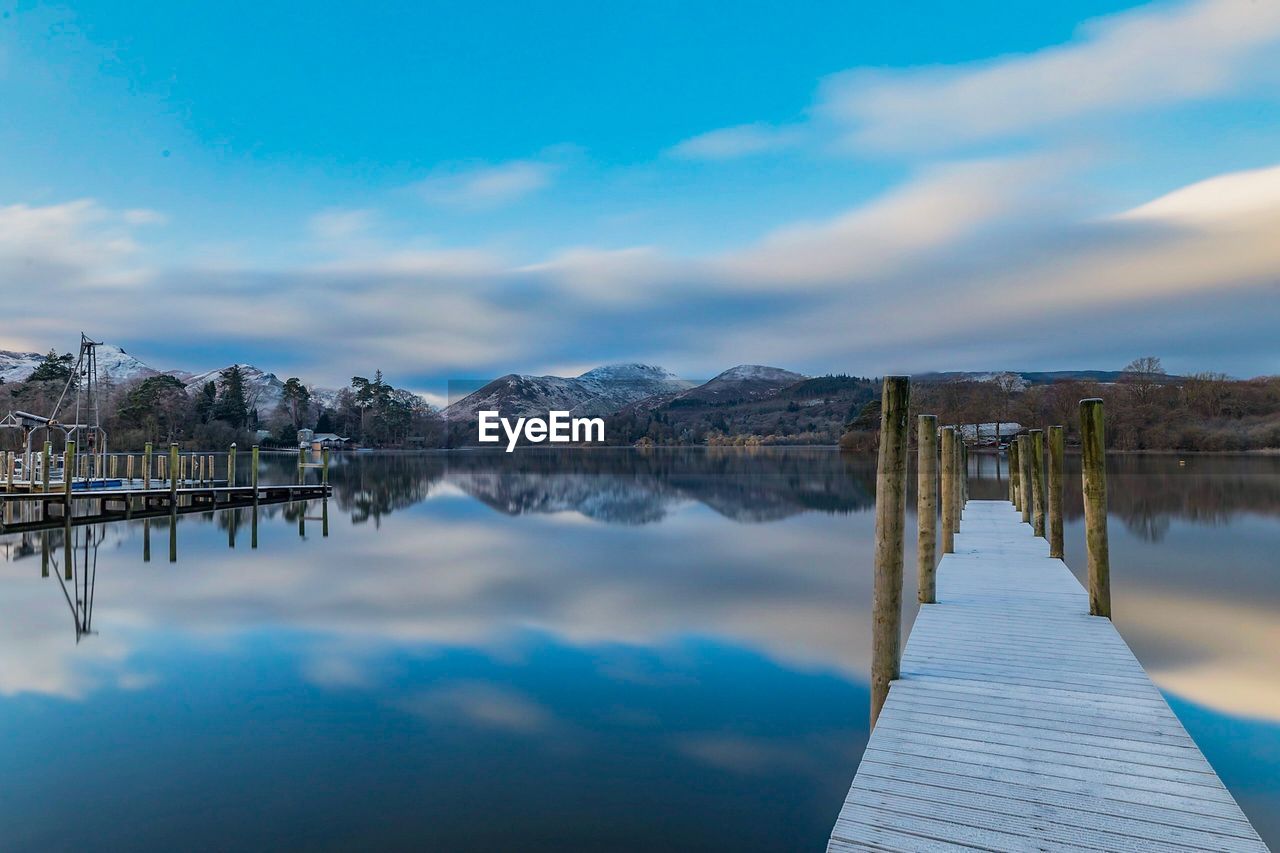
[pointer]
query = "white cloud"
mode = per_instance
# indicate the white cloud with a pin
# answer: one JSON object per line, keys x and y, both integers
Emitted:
{"x": 340, "y": 224}
{"x": 487, "y": 186}
{"x": 740, "y": 141}
{"x": 1155, "y": 55}
{"x": 1221, "y": 199}
{"x": 864, "y": 290}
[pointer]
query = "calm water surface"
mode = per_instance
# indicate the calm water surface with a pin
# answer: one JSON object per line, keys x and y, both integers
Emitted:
{"x": 581, "y": 650}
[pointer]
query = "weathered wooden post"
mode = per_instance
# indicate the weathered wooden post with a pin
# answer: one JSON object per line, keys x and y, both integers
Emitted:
{"x": 926, "y": 506}
{"x": 302, "y": 461}
{"x": 9, "y": 473}
{"x": 146, "y": 465}
{"x": 1024, "y": 476}
{"x": 68, "y": 464}
{"x": 948, "y": 490}
{"x": 1036, "y": 438}
{"x": 1015, "y": 480}
{"x": 891, "y": 500}
{"x": 173, "y": 474}
{"x": 253, "y": 470}
{"x": 46, "y": 468}
{"x": 231, "y": 465}
{"x": 324, "y": 467}
{"x": 1056, "y": 451}
{"x": 1093, "y": 475}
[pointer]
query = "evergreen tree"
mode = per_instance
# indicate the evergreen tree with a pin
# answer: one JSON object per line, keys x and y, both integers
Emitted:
{"x": 296, "y": 400}
{"x": 231, "y": 406}
{"x": 205, "y": 402}
{"x": 54, "y": 367}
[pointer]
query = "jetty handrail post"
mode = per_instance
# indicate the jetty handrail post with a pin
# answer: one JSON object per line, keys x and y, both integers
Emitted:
{"x": 957, "y": 505}
{"x": 173, "y": 473}
{"x": 146, "y": 465}
{"x": 253, "y": 470}
{"x": 302, "y": 461}
{"x": 1024, "y": 476}
{"x": 324, "y": 466}
{"x": 926, "y": 507}
{"x": 68, "y": 461}
{"x": 1093, "y": 475}
{"x": 231, "y": 465}
{"x": 1036, "y": 438}
{"x": 46, "y": 466}
{"x": 891, "y": 508}
{"x": 948, "y": 490}
{"x": 1057, "y": 441}
{"x": 1015, "y": 478}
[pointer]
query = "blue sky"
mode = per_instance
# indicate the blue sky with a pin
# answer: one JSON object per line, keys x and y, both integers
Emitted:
{"x": 459, "y": 190}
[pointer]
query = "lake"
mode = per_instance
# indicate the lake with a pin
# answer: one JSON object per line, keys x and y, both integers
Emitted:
{"x": 556, "y": 650}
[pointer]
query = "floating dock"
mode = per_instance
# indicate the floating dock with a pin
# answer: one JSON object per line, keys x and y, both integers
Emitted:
{"x": 1020, "y": 722}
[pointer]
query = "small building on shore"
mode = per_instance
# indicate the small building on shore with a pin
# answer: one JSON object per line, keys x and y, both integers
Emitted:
{"x": 323, "y": 440}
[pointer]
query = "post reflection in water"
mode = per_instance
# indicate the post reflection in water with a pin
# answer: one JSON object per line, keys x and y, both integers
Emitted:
{"x": 486, "y": 650}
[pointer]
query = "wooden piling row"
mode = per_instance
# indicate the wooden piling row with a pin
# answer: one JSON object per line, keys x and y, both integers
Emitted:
{"x": 891, "y": 496}
{"x": 948, "y": 489}
{"x": 926, "y": 506}
{"x": 1056, "y": 448}
{"x": 1024, "y": 476}
{"x": 1093, "y": 475}
{"x": 1015, "y": 480}
{"x": 1035, "y": 438}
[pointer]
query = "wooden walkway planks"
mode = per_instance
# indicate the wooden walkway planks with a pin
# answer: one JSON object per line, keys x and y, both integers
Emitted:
{"x": 1022, "y": 723}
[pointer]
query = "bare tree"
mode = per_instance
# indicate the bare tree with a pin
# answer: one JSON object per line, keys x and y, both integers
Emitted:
{"x": 1144, "y": 378}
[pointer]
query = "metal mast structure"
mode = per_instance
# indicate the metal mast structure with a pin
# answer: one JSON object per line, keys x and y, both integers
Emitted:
{"x": 89, "y": 437}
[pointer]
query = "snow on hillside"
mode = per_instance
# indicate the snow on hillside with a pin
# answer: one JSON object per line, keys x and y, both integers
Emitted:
{"x": 744, "y": 382}
{"x": 600, "y": 391}
{"x": 114, "y": 364}
{"x": 262, "y": 390}
{"x": 17, "y": 366}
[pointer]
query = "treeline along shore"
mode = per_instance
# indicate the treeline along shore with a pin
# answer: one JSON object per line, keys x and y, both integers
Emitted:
{"x": 1148, "y": 408}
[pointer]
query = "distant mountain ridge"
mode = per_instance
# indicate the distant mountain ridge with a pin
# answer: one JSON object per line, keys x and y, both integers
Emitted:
{"x": 1035, "y": 377}
{"x": 113, "y": 363}
{"x": 600, "y": 391}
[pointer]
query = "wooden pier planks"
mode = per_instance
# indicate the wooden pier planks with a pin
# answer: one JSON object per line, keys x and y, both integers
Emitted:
{"x": 1022, "y": 723}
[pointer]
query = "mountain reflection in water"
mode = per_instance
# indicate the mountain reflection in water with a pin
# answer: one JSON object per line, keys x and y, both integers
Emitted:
{"x": 551, "y": 650}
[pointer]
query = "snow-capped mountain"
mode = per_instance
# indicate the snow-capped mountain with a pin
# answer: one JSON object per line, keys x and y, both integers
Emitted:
{"x": 117, "y": 364}
{"x": 742, "y": 383}
{"x": 17, "y": 366}
{"x": 600, "y": 391}
{"x": 114, "y": 364}
{"x": 262, "y": 390}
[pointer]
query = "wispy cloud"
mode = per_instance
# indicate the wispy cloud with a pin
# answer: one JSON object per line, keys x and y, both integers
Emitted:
{"x": 744, "y": 140}
{"x": 1153, "y": 56}
{"x": 487, "y": 186}
{"x": 341, "y": 224}
{"x": 965, "y": 265}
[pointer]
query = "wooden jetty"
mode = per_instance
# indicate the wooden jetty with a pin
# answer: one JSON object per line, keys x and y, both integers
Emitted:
{"x": 93, "y": 507}
{"x": 171, "y": 484}
{"x": 1014, "y": 719}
